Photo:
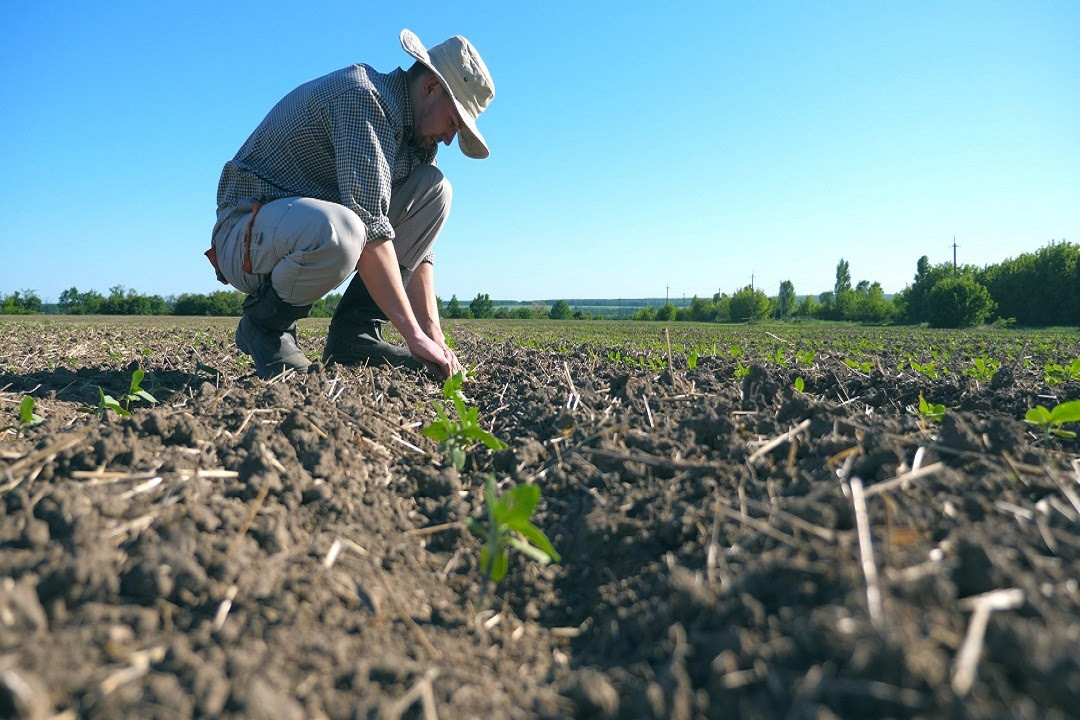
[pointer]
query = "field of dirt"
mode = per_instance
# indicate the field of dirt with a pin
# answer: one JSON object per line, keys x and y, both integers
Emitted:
{"x": 296, "y": 548}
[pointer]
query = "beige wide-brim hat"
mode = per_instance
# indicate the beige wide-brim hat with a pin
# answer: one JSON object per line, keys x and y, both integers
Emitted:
{"x": 463, "y": 73}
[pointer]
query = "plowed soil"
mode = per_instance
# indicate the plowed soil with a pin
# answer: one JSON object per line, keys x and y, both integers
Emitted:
{"x": 295, "y": 548}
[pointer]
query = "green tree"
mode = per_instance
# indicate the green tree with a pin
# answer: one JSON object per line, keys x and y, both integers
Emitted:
{"x": 1040, "y": 288}
{"x": 959, "y": 302}
{"x": 809, "y": 307}
{"x": 454, "y": 309}
{"x": 482, "y": 306}
{"x": 723, "y": 307}
{"x": 73, "y": 302}
{"x": 785, "y": 300}
{"x": 870, "y": 304}
{"x": 646, "y": 313}
{"x": 913, "y": 302}
{"x": 702, "y": 310}
{"x": 560, "y": 311}
{"x": 667, "y": 312}
{"x": 749, "y": 304}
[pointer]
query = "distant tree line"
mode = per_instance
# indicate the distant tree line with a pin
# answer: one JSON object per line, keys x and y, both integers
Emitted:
{"x": 1034, "y": 289}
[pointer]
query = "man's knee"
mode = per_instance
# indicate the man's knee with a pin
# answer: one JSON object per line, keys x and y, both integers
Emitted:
{"x": 431, "y": 183}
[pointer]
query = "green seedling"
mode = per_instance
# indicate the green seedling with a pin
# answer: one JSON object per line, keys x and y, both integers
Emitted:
{"x": 106, "y": 403}
{"x": 800, "y": 384}
{"x": 779, "y": 358}
{"x": 1055, "y": 374}
{"x": 864, "y": 366}
{"x": 135, "y": 391}
{"x": 806, "y": 357}
{"x": 510, "y": 526}
{"x": 928, "y": 369}
{"x": 456, "y": 435}
{"x": 736, "y": 351}
{"x": 741, "y": 371}
{"x": 930, "y": 411}
{"x": 691, "y": 360}
{"x": 1052, "y": 420}
{"x": 27, "y": 416}
{"x": 983, "y": 369}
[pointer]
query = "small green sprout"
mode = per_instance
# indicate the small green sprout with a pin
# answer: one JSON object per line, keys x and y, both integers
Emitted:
{"x": 135, "y": 391}
{"x": 1052, "y": 420}
{"x": 510, "y": 526}
{"x": 741, "y": 370}
{"x": 691, "y": 360}
{"x": 27, "y": 416}
{"x": 929, "y": 369}
{"x": 806, "y": 357}
{"x": 455, "y": 436}
{"x": 864, "y": 366}
{"x": 983, "y": 369}
{"x": 779, "y": 357}
{"x": 800, "y": 385}
{"x": 930, "y": 411}
{"x": 1055, "y": 374}
{"x": 106, "y": 403}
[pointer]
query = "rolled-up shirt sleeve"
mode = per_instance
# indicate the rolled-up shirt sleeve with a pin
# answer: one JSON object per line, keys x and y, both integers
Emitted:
{"x": 361, "y": 136}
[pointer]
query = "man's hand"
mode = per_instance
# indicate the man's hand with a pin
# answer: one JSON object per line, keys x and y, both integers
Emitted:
{"x": 421, "y": 293}
{"x": 378, "y": 268}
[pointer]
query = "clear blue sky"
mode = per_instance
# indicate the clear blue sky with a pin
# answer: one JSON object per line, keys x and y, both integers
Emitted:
{"x": 634, "y": 149}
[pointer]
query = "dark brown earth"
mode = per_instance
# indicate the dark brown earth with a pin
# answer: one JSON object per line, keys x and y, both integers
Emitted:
{"x": 274, "y": 550}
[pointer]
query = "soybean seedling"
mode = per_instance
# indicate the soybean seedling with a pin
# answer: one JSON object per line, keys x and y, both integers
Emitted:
{"x": 135, "y": 391}
{"x": 106, "y": 403}
{"x": 983, "y": 369}
{"x": 510, "y": 526}
{"x": 864, "y": 366}
{"x": 800, "y": 385}
{"x": 1052, "y": 420}
{"x": 27, "y": 416}
{"x": 456, "y": 435}
{"x": 930, "y": 411}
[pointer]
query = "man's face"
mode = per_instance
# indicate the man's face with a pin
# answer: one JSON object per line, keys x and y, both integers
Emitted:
{"x": 435, "y": 119}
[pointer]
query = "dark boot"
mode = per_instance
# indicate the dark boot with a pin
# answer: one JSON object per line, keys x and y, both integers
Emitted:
{"x": 355, "y": 334}
{"x": 267, "y": 333}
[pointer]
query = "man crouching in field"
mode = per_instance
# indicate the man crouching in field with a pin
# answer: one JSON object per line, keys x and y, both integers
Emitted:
{"x": 341, "y": 176}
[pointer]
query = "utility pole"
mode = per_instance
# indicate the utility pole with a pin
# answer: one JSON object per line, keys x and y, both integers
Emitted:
{"x": 954, "y": 255}
{"x": 667, "y": 294}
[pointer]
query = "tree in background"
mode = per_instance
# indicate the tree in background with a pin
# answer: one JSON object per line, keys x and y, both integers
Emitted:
{"x": 808, "y": 308}
{"x": 749, "y": 304}
{"x": 454, "y": 309}
{"x": 122, "y": 301}
{"x": 482, "y": 306}
{"x": 220, "y": 303}
{"x": 646, "y": 313}
{"x": 723, "y": 307}
{"x": 959, "y": 302}
{"x": 701, "y": 310}
{"x": 1041, "y": 288}
{"x": 666, "y": 312}
{"x": 560, "y": 311}
{"x": 73, "y": 302}
{"x": 785, "y": 300}
{"x": 913, "y": 302}
{"x": 23, "y": 302}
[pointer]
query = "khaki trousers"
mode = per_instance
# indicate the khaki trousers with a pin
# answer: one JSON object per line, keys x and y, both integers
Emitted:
{"x": 308, "y": 247}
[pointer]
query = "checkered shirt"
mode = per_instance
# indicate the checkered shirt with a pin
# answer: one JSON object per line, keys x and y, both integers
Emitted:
{"x": 344, "y": 137}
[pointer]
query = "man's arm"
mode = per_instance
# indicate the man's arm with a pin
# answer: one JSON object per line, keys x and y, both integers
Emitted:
{"x": 378, "y": 268}
{"x": 421, "y": 293}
